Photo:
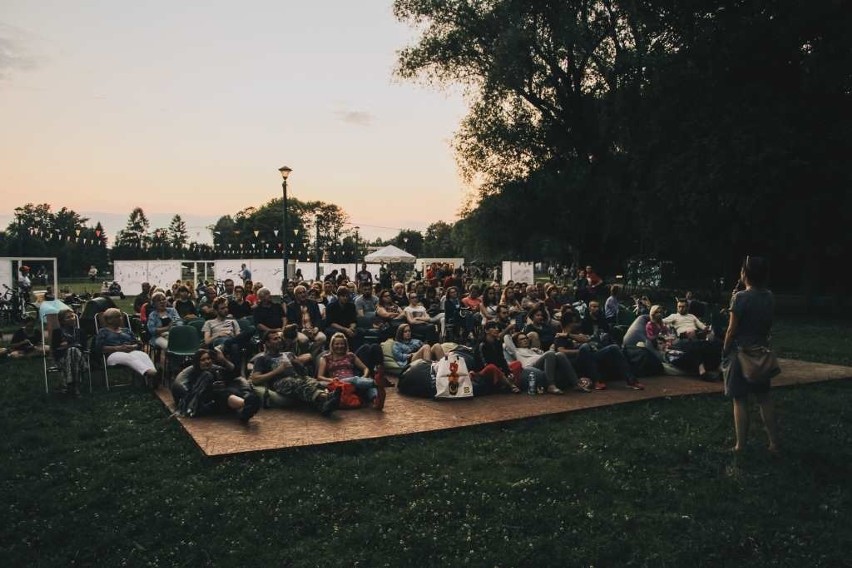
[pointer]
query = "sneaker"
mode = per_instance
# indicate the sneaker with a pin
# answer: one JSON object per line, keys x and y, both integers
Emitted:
{"x": 600, "y": 386}
{"x": 379, "y": 376}
{"x": 636, "y": 385}
{"x": 331, "y": 403}
{"x": 379, "y": 401}
{"x": 250, "y": 407}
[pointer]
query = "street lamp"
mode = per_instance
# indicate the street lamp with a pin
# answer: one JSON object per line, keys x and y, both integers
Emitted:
{"x": 285, "y": 173}
{"x": 356, "y": 249}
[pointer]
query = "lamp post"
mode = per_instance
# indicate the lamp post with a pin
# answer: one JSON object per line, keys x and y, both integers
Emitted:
{"x": 357, "y": 228}
{"x": 285, "y": 173}
{"x": 317, "y": 251}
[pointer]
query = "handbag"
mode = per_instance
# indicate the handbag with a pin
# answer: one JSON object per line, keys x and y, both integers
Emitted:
{"x": 348, "y": 395}
{"x": 758, "y": 364}
{"x": 452, "y": 380}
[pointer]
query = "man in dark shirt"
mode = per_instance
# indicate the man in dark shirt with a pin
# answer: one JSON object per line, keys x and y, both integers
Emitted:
{"x": 184, "y": 305}
{"x": 341, "y": 316}
{"x": 305, "y": 313}
{"x": 27, "y": 341}
{"x": 268, "y": 316}
{"x": 143, "y": 298}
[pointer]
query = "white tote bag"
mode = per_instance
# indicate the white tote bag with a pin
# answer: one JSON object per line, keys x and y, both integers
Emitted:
{"x": 451, "y": 378}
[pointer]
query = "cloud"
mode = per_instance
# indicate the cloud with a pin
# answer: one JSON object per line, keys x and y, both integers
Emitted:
{"x": 14, "y": 53}
{"x": 357, "y": 117}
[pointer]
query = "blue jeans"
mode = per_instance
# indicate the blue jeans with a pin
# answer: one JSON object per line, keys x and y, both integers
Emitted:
{"x": 365, "y": 387}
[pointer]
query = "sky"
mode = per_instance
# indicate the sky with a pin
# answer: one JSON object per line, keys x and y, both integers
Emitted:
{"x": 191, "y": 107}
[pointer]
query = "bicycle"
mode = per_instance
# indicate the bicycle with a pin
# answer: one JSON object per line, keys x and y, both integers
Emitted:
{"x": 15, "y": 306}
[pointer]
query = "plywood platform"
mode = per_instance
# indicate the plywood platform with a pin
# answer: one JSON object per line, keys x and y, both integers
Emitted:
{"x": 275, "y": 429}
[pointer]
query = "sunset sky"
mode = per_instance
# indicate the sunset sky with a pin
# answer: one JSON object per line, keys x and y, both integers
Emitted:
{"x": 191, "y": 108}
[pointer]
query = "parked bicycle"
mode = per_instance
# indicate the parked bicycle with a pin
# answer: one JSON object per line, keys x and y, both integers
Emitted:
{"x": 15, "y": 306}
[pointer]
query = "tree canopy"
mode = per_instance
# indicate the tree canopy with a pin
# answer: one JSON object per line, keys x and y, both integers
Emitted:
{"x": 601, "y": 131}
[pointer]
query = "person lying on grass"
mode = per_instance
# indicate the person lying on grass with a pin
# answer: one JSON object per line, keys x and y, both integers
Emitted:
{"x": 279, "y": 371}
{"x": 212, "y": 388}
{"x": 341, "y": 364}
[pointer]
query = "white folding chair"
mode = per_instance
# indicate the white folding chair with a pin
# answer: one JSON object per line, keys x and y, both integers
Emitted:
{"x": 98, "y": 326}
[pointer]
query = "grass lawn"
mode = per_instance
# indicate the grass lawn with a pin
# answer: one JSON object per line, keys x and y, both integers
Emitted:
{"x": 110, "y": 480}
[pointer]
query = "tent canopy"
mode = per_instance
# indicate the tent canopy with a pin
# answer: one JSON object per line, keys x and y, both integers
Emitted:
{"x": 389, "y": 253}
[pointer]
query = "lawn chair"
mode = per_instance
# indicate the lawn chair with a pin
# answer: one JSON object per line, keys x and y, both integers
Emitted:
{"x": 53, "y": 368}
{"x": 98, "y": 325}
{"x": 184, "y": 341}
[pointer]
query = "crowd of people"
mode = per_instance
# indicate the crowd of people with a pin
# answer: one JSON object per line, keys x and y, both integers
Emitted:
{"x": 337, "y": 341}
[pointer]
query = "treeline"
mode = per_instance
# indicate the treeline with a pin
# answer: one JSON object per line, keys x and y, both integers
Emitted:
{"x": 691, "y": 132}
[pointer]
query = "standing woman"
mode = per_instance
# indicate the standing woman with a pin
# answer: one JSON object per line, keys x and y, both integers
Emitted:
{"x": 749, "y": 326}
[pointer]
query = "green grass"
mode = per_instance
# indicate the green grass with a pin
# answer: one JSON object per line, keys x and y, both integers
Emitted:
{"x": 109, "y": 479}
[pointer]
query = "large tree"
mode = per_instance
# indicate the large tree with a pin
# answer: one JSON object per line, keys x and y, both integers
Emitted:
{"x": 602, "y": 130}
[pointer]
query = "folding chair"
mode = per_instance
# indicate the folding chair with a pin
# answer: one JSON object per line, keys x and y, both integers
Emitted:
{"x": 184, "y": 341}
{"x": 98, "y": 325}
{"x": 53, "y": 368}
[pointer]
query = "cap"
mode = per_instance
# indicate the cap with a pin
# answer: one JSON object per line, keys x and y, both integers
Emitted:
{"x": 25, "y": 268}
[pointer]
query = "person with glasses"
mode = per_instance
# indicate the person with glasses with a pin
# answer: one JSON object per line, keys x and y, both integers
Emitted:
{"x": 556, "y": 370}
{"x": 419, "y": 320}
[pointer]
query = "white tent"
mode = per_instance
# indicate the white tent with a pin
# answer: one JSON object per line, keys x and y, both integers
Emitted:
{"x": 389, "y": 253}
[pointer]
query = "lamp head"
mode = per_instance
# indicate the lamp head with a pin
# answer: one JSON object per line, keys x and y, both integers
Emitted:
{"x": 285, "y": 172}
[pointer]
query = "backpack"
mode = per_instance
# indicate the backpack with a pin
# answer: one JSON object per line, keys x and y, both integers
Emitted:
{"x": 348, "y": 396}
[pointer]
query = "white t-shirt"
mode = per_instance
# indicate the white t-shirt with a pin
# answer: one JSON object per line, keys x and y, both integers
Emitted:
{"x": 684, "y": 324}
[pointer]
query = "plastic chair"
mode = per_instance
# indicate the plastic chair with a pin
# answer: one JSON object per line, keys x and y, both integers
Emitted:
{"x": 184, "y": 341}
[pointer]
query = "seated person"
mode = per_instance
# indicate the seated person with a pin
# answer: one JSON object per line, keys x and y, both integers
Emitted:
{"x": 183, "y": 304}
{"x": 389, "y": 316}
{"x": 491, "y": 371}
{"x": 238, "y": 306}
{"x": 612, "y": 306}
{"x": 366, "y": 303}
{"x": 67, "y": 344}
{"x": 223, "y": 333}
{"x": 205, "y": 303}
{"x": 268, "y": 315}
{"x": 27, "y": 341}
{"x": 556, "y": 369}
{"x": 275, "y": 369}
{"x": 160, "y": 321}
{"x": 594, "y": 323}
{"x": 142, "y": 298}
{"x": 121, "y": 347}
{"x": 698, "y": 354}
{"x": 398, "y": 294}
{"x": 213, "y": 388}
{"x": 407, "y": 350}
{"x": 305, "y": 313}
{"x": 419, "y": 320}
{"x": 598, "y": 363}
{"x": 341, "y": 316}
{"x": 539, "y": 329}
{"x": 114, "y": 289}
{"x": 341, "y": 364}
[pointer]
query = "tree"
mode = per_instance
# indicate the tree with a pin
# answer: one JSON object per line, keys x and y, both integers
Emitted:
{"x": 599, "y": 131}
{"x": 410, "y": 241}
{"x": 438, "y": 241}
{"x": 177, "y": 234}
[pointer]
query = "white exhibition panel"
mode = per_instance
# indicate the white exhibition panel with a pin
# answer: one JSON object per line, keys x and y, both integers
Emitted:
{"x": 9, "y": 270}
{"x": 130, "y": 274}
{"x": 6, "y": 272}
{"x": 517, "y": 271}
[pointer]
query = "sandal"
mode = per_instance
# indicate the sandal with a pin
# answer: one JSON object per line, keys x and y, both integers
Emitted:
{"x": 553, "y": 389}
{"x": 584, "y": 385}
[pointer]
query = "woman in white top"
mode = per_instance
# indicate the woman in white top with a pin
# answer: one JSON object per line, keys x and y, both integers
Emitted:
{"x": 419, "y": 320}
{"x": 556, "y": 367}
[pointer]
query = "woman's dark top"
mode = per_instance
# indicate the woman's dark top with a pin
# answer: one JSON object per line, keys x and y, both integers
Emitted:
{"x": 73, "y": 335}
{"x": 754, "y": 309}
{"x": 492, "y": 352}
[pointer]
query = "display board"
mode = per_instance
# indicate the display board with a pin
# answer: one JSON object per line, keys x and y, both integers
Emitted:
{"x": 518, "y": 271}
{"x": 130, "y": 274}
